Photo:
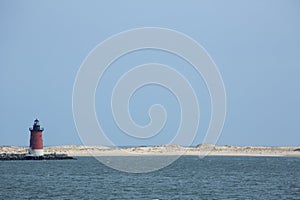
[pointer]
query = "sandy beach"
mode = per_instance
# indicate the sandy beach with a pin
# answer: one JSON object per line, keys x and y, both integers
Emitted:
{"x": 77, "y": 150}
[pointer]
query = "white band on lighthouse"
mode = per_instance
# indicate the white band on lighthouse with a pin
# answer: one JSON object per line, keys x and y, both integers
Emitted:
{"x": 35, "y": 152}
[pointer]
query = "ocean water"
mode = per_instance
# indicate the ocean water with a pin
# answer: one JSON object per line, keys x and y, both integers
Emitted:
{"x": 187, "y": 178}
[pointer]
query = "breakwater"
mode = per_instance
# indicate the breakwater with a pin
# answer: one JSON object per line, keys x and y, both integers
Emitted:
{"x": 52, "y": 156}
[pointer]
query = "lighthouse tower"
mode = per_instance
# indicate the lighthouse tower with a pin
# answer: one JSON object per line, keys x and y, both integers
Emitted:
{"x": 36, "y": 140}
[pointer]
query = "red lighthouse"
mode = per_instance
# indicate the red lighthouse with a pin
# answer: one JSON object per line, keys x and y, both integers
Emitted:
{"x": 36, "y": 140}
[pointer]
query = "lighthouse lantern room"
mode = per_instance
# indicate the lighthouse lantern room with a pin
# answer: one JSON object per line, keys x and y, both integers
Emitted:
{"x": 36, "y": 140}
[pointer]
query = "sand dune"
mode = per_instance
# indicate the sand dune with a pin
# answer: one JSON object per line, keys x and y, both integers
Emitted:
{"x": 76, "y": 150}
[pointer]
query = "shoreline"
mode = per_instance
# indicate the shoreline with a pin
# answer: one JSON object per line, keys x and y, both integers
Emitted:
{"x": 163, "y": 150}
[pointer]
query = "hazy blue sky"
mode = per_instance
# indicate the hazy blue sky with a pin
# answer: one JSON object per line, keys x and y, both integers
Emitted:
{"x": 255, "y": 44}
